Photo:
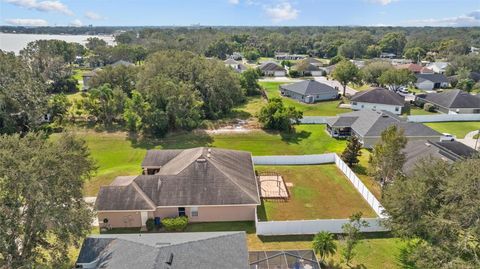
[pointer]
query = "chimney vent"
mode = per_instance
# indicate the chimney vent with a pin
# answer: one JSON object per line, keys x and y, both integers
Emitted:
{"x": 201, "y": 160}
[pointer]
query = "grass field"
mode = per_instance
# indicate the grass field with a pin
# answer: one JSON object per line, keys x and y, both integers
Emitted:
{"x": 460, "y": 129}
{"x": 418, "y": 111}
{"x": 318, "y": 192}
{"x": 117, "y": 154}
{"x": 327, "y": 108}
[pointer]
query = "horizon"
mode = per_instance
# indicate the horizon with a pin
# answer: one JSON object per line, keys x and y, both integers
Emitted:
{"x": 241, "y": 13}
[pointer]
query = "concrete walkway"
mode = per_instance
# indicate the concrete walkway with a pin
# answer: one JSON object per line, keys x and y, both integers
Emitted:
{"x": 470, "y": 141}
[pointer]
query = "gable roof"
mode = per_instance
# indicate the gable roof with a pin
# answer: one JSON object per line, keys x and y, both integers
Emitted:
{"x": 283, "y": 259}
{"x": 122, "y": 62}
{"x": 154, "y": 251}
{"x": 309, "y": 87}
{"x": 230, "y": 61}
{"x": 306, "y": 67}
{"x": 449, "y": 151}
{"x": 379, "y": 96}
{"x": 415, "y": 68}
{"x": 435, "y": 78}
{"x": 439, "y": 65}
{"x": 452, "y": 99}
{"x": 370, "y": 123}
{"x": 271, "y": 66}
{"x": 190, "y": 177}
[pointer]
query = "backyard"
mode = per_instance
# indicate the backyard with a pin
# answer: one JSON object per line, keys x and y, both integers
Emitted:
{"x": 318, "y": 192}
{"x": 327, "y": 108}
{"x": 460, "y": 129}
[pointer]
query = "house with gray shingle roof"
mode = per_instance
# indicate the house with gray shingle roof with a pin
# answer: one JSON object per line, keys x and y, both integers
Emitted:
{"x": 368, "y": 125}
{"x": 448, "y": 151}
{"x": 235, "y": 65}
{"x": 204, "y": 184}
{"x": 272, "y": 69}
{"x": 203, "y": 250}
{"x": 378, "y": 99}
{"x": 452, "y": 102}
{"x": 309, "y": 91}
{"x": 428, "y": 82}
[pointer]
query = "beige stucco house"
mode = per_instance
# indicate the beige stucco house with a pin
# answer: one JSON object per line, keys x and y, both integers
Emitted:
{"x": 204, "y": 184}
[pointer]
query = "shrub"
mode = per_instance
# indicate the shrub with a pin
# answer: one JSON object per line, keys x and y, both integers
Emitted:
{"x": 176, "y": 224}
{"x": 429, "y": 107}
{"x": 294, "y": 73}
{"x": 150, "y": 224}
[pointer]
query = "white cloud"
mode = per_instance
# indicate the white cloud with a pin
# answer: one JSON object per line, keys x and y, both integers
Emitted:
{"x": 27, "y": 22}
{"x": 470, "y": 19}
{"x": 381, "y": 2}
{"x": 281, "y": 12}
{"x": 52, "y": 5}
{"x": 76, "y": 23}
{"x": 93, "y": 16}
{"x": 234, "y": 2}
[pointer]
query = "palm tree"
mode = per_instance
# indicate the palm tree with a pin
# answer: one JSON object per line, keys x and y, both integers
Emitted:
{"x": 324, "y": 245}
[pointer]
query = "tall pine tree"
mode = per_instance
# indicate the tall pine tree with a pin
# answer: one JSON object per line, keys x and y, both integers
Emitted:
{"x": 352, "y": 151}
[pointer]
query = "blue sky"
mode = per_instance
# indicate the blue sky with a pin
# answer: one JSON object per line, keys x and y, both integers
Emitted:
{"x": 240, "y": 12}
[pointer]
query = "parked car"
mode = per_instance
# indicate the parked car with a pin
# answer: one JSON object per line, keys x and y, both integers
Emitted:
{"x": 448, "y": 137}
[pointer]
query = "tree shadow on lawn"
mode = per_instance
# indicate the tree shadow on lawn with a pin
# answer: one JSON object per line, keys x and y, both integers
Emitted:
{"x": 180, "y": 140}
{"x": 292, "y": 137}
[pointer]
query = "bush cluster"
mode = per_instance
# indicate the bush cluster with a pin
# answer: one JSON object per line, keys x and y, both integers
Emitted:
{"x": 176, "y": 224}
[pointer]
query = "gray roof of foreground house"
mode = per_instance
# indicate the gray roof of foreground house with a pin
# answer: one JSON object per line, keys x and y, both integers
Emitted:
{"x": 271, "y": 66}
{"x": 166, "y": 250}
{"x": 190, "y": 177}
{"x": 370, "y": 123}
{"x": 309, "y": 87}
{"x": 452, "y": 99}
{"x": 435, "y": 78}
{"x": 449, "y": 151}
{"x": 379, "y": 96}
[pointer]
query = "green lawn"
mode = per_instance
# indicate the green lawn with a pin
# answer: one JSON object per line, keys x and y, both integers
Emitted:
{"x": 318, "y": 192}
{"x": 116, "y": 154}
{"x": 418, "y": 111}
{"x": 327, "y": 108}
{"x": 460, "y": 129}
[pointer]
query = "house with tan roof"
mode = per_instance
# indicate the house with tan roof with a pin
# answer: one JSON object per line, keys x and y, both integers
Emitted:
{"x": 204, "y": 184}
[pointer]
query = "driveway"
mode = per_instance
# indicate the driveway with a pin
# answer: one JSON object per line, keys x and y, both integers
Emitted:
{"x": 470, "y": 141}
{"x": 91, "y": 202}
{"x": 334, "y": 83}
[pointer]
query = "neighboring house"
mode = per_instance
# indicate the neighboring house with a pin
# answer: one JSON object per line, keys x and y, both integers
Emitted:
{"x": 205, "y": 184}
{"x": 358, "y": 63}
{"x": 400, "y": 61}
{"x": 378, "y": 99}
{"x": 415, "y": 68}
{"x": 309, "y": 91}
{"x": 272, "y": 69}
{"x": 452, "y": 102}
{"x": 438, "y": 67}
{"x": 86, "y": 78}
{"x": 449, "y": 151}
{"x": 235, "y": 56}
{"x": 281, "y": 56}
{"x": 387, "y": 55}
{"x": 428, "y": 82}
{"x": 368, "y": 125}
{"x": 313, "y": 61}
{"x": 237, "y": 66}
{"x": 122, "y": 62}
{"x": 202, "y": 250}
{"x": 475, "y": 76}
{"x": 328, "y": 69}
{"x": 307, "y": 69}
{"x": 301, "y": 259}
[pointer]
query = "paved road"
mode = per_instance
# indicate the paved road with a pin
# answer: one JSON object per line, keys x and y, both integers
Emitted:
{"x": 470, "y": 141}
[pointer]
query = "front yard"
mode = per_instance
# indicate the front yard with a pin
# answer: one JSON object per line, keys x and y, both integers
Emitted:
{"x": 459, "y": 128}
{"x": 318, "y": 192}
{"x": 326, "y": 108}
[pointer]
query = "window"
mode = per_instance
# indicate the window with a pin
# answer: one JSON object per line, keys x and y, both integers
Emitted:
{"x": 181, "y": 211}
{"x": 194, "y": 212}
{"x": 354, "y": 103}
{"x": 105, "y": 220}
{"x": 396, "y": 108}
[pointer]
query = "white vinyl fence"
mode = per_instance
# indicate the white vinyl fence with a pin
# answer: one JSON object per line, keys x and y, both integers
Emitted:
{"x": 294, "y": 159}
{"x": 314, "y": 226}
{"x": 444, "y": 117}
{"x": 314, "y": 119}
{"x": 291, "y": 227}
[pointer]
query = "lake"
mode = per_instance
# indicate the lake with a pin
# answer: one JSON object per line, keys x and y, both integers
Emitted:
{"x": 16, "y": 42}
